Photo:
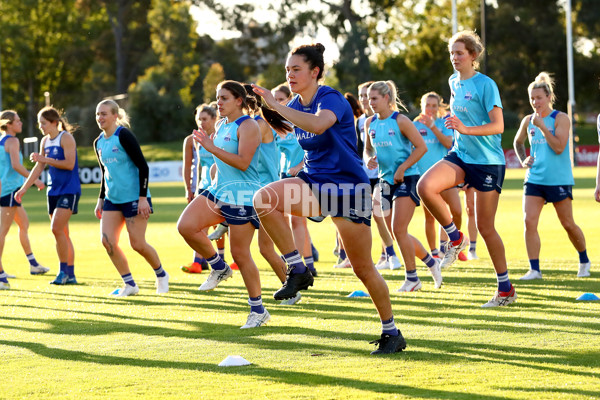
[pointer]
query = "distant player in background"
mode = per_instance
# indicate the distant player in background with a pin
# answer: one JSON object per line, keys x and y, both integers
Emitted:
{"x": 549, "y": 176}
{"x": 58, "y": 150}
{"x": 124, "y": 198}
{"x": 12, "y": 173}
{"x": 597, "y": 191}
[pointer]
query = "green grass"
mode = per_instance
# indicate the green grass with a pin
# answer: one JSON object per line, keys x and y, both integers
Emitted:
{"x": 77, "y": 342}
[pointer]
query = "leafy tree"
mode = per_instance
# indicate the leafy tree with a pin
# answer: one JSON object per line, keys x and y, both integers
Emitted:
{"x": 214, "y": 75}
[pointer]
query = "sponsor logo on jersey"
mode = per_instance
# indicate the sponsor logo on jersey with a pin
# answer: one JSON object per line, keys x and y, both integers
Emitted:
{"x": 459, "y": 108}
{"x": 303, "y": 135}
{"x": 383, "y": 143}
{"x": 423, "y": 132}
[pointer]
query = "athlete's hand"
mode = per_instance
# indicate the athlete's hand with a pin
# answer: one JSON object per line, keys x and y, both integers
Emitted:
{"x": 597, "y": 194}
{"x": 537, "y": 120}
{"x": 189, "y": 195}
{"x": 19, "y": 195}
{"x": 204, "y": 139}
{"x": 265, "y": 94}
{"x": 144, "y": 207}
{"x": 399, "y": 175}
{"x": 293, "y": 171}
{"x": 39, "y": 184}
{"x": 425, "y": 120}
{"x": 528, "y": 162}
{"x": 99, "y": 207}
{"x": 36, "y": 157}
{"x": 372, "y": 163}
{"x": 453, "y": 122}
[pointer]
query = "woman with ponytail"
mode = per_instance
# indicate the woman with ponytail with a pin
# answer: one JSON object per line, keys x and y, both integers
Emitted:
{"x": 549, "y": 176}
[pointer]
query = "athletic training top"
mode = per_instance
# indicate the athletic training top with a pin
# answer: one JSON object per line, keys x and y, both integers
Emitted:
{"x": 598, "y": 127}
{"x": 268, "y": 162}
{"x": 548, "y": 167}
{"x": 124, "y": 168}
{"x": 206, "y": 161}
{"x": 471, "y": 100}
{"x": 11, "y": 180}
{"x": 60, "y": 181}
{"x": 392, "y": 147}
{"x": 330, "y": 157}
{"x": 435, "y": 150}
{"x": 232, "y": 185}
{"x": 371, "y": 173}
{"x": 291, "y": 151}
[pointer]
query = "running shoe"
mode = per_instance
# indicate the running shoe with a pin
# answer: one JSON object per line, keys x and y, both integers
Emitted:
{"x": 502, "y": 298}
{"x": 472, "y": 255}
{"x": 436, "y": 273}
{"x": 256, "y": 320}
{"x": 462, "y": 256}
{"x": 4, "y": 285}
{"x": 388, "y": 344}
{"x": 218, "y": 232}
{"x": 395, "y": 263}
{"x": 38, "y": 270}
{"x": 192, "y": 268}
{"x": 315, "y": 252}
{"x": 61, "y": 279}
{"x": 292, "y": 300}
{"x": 451, "y": 252}
{"x": 162, "y": 284}
{"x": 71, "y": 281}
{"x": 383, "y": 263}
{"x": 344, "y": 264}
{"x": 216, "y": 277}
{"x": 410, "y": 286}
{"x": 126, "y": 290}
{"x": 531, "y": 275}
{"x": 293, "y": 284}
{"x": 313, "y": 271}
{"x": 10, "y": 276}
{"x": 336, "y": 251}
{"x": 584, "y": 269}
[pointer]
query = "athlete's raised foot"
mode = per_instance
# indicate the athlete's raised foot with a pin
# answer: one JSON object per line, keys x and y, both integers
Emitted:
{"x": 293, "y": 284}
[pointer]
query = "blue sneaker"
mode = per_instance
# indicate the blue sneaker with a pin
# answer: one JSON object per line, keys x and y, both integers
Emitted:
{"x": 71, "y": 281}
{"x": 315, "y": 252}
{"x": 61, "y": 279}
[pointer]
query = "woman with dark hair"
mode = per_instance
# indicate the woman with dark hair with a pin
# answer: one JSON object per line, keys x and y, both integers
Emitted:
{"x": 229, "y": 197}
{"x": 58, "y": 150}
{"x": 332, "y": 183}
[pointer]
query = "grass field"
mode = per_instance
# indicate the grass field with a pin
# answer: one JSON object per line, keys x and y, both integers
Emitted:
{"x": 77, "y": 342}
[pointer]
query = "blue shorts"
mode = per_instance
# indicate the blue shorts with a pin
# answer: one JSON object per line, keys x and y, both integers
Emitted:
{"x": 355, "y": 206}
{"x": 66, "y": 201}
{"x": 234, "y": 215}
{"x": 550, "y": 193}
{"x": 483, "y": 178}
{"x": 9, "y": 200}
{"x": 129, "y": 209}
{"x": 408, "y": 188}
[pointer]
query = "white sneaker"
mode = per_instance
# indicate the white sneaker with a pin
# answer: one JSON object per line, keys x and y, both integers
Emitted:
{"x": 218, "y": 232}
{"x": 39, "y": 270}
{"x": 436, "y": 273}
{"x": 256, "y": 320}
{"x": 531, "y": 275}
{"x": 584, "y": 269}
{"x": 344, "y": 264}
{"x": 10, "y": 276}
{"x": 451, "y": 253}
{"x": 383, "y": 263}
{"x": 395, "y": 263}
{"x": 291, "y": 301}
{"x": 502, "y": 298}
{"x": 472, "y": 255}
{"x": 4, "y": 285}
{"x": 127, "y": 290}
{"x": 410, "y": 286}
{"x": 216, "y": 277}
{"x": 162, "y": 284}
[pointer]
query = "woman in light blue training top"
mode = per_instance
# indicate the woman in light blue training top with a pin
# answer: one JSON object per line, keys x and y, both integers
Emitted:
{"x": 476, "y": 159}
{"x": 394, "y": 147}
{"x": 58, "y": 150}
{"x": 229, "y": 197}
{"x": 124, "y": 196}
{"x": 549, "y": 176}
{"x": 332, "y": 183}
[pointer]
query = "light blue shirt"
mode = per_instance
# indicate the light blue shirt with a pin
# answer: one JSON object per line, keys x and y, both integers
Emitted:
{"x": 435, "y": 150}
{"x": 392, "y": 147}
{"x": 268, "y": 163}
{"x": 11, "y": 180}
{"x": 371, "y": 173}
{"x": 471, "y": 100}
{"x": 291, "y": 151}
{"x": 206, "y": 161}
{"x": 549, "y": 168}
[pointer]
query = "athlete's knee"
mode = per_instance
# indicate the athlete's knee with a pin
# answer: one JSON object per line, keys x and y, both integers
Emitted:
{"x": 262, "y": 200}
{"x": 186, "y": 227}
{"x": 138, "y": 244}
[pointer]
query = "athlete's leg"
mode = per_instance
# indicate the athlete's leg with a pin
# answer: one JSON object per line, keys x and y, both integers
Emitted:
{"x": 136, "y": 228}
{"x": 267, "y": 250}
{"x": 111, "y": 225}
{"x": 240, "y": 240}
{"x": 443, "y": 175}
{"x": 486, "y": 204}
{"x": 403, "y": 210}
{"x": 532, "y": 208}
{"x": 564, "y": 211}
{"x": 23, "y": 223}
{"x": 199, "y": 214}
{"x": 60, "y": 229}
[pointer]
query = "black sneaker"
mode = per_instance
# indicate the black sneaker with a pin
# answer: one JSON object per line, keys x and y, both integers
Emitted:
{"x": 313, "y": 271}
{"x": 293, "y": 284}
{"x": 389, "y": 344}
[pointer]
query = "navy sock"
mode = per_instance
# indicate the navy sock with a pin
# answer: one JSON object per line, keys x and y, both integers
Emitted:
{"x": 452, "y": 231}
{"x": 310, "y": 263}
{"x": 199, "y": 260}
{"x": 435, "y": 252}
{"x": 216, "y": 262}
{"x": 128, "y": 279}
{"x": 3, "y": 277}
{"x": 221, "y": 253}
{"x": 389, "y": 327}
{"x": 160, "y": 272}
{"x": 390, "y": 251}
{"x": 32, "y": 260}
{"x": 473, "y": 245}
{"x": 583, "y": 258}
{"x": 428, "y": 260}
{"x": 71, "y": 271}
{"x": 503, "y": 282}
{"x": 294, "y": 260}
{"x": 535, "y": 264}
{"x": 443, "y": 244}
{"x": 343, "y": 254}
{"x": 256, "y": 304}
{"x": 63, "y": 267}
{"x": 412, "y": 276}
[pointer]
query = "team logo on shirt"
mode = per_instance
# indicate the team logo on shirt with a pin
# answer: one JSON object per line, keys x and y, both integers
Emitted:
{"x": 115, "y": 149}
{"x": 372, "y": 133}
{"x": 134, "y": 205}
{"x": 423, "y": 132}
{"x": 227, "y": 137}
{"x": 488, "y": 179}
{"x": 54, "y": 151}
{"x": 391, "y": 132}
{"x": 468, "y": 96}
{"x": 242, "y": 212}
{"x": 403, "y": 186}
{"x": 532, "y": 132}
{"x": 65, "y": 201}
{"x": 561, "y": 190}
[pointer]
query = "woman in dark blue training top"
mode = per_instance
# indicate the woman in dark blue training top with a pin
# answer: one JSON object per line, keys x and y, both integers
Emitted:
{"x": 58, "y": 150}
{"x": 124, "y": 196}
{"x": 332, "y": 183}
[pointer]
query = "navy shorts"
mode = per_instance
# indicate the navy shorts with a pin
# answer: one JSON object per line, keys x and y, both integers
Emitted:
{"x": 9, "y": 200}
{"x": 550, "y": 193}
{"x": 483, "y": 178}
{"x": 408, "y": 188}
{"x": 234, "y": 215}
{"x": 66, "y": 201}
{"x": 129, "y": 209}
{"x": 355, "y": 206}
